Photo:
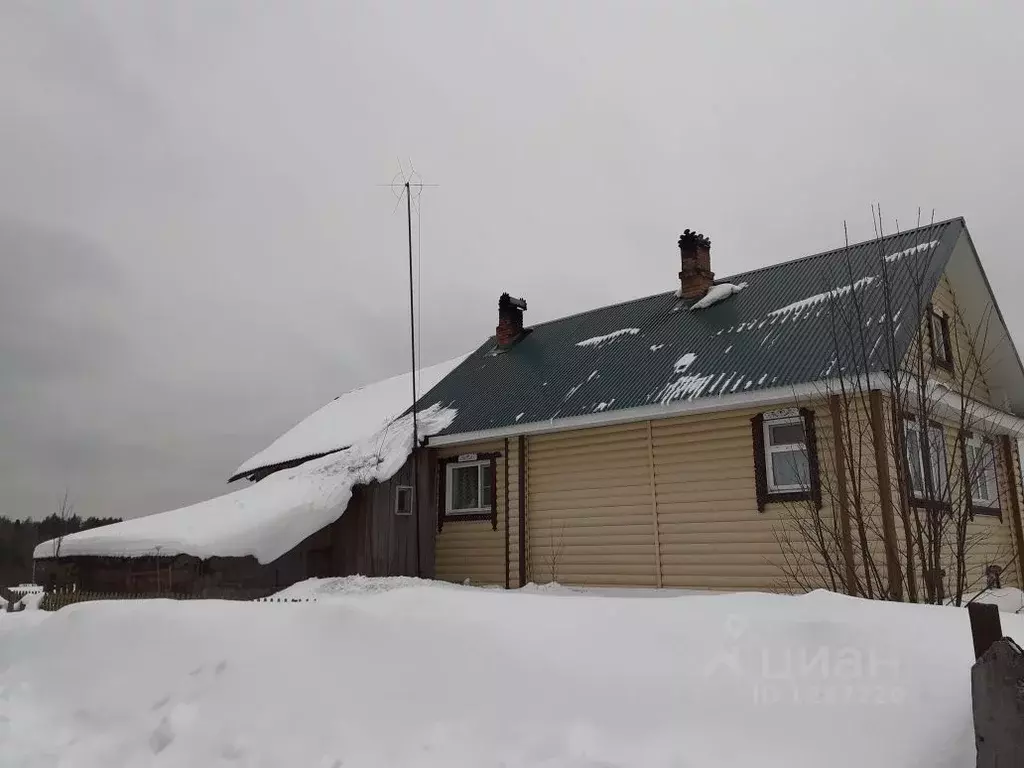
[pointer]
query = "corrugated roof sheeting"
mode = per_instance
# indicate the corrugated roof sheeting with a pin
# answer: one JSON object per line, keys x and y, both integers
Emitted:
{"x": 795, "y": 322}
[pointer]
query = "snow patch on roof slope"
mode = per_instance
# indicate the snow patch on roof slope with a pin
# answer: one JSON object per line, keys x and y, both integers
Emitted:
{"x": 717, "y": 293}
{"x": 684, "y": 385}
{"x": 818, "y": 298}
{"x": 348, "y": 418}
{"x": 267, "y": 519}
{"x": 911, "y": 251}
{"x": 596, "y": 341}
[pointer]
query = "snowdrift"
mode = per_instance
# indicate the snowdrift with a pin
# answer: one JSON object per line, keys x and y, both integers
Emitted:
{"x": 415, "y": 674}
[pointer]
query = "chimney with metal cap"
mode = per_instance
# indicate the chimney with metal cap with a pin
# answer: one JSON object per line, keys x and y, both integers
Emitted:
{"x": 695, "y": 277}
{"x": 510, "y": 320}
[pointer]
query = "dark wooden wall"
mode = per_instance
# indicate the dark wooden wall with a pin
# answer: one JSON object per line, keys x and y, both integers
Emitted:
{"x": 370, "y": 539}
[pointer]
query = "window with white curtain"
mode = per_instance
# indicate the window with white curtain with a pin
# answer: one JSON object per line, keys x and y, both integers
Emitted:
{"x": 468, "y": 488}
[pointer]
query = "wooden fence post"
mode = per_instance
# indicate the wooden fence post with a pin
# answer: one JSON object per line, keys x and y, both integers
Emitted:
{"x": 997, "y": 691}
{"x": 986, "y": 628}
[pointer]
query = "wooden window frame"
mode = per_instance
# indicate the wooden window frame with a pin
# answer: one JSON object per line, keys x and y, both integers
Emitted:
{"x": 477, "y": 459}
{"x": 941, "y": 357}
{"x": 766, "y": 494}
{"x": 398, "y": 495}
{"x": 979, "y": 506}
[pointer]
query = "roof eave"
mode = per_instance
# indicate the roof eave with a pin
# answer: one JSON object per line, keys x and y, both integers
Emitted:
{"x": 781, "y": 396}
{"x": 269, "y": 469}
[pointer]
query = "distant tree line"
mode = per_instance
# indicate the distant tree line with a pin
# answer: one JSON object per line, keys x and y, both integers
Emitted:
{"x": 18, "y": 538}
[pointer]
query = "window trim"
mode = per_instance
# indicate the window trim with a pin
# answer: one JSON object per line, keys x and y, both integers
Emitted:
{"x": 398, "y": 494}
{"x": 443, "y": 499}
{"x": 765, "y": 495}
{"x": 944, "y": 360}
{"x": 981, "y": 506}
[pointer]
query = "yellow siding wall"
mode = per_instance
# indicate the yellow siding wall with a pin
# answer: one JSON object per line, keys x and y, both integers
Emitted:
{"x": 969, "y": 348}
{"x": 711, "y": 533}
{"x": 663, "y": 503}
{"x": 672, "y": 503}
{"x": 990, "y": 540}
{"x": 590, "y": 515}
{"x": 472, "y": 549}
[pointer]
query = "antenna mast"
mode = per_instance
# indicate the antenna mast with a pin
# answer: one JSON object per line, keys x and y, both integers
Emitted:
{"x": 412, "y": 350}
{"x": 405, "y": 187}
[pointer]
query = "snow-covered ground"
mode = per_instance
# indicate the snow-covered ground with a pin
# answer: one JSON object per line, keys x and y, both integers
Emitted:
{"x": 407, "y": 673}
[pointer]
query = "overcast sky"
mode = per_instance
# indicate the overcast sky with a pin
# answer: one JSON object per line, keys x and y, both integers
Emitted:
{"x": 195, "y": 252}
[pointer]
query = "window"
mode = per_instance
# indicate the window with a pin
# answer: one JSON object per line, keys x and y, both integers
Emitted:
{"x": 785, "y": 457}
{"x": 786, "y": 464}
{"x": 938, "y": 331}
{"x": 403, "y": 500}
{"x": 981, "y": 472}
{"x": 469, "y": 488}
{"x": 926, "y": 460}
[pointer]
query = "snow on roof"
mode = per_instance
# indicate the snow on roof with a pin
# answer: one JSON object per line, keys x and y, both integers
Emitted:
{"x": 267, "y": 519}
{"x": 596, "y": 341}
{"x": 818, "y": 298}
{"x": 911, "y": 251}
{"x": 348, "y": 418}
{"x": 718, "y": 293}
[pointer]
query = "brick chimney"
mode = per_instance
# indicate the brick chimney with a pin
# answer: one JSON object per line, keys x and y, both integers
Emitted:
{"x": 510, "y": 320}
{"x": 695, "y": 277}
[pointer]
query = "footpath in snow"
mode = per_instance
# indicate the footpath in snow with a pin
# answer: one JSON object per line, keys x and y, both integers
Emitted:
{"x": 400, "y": 672}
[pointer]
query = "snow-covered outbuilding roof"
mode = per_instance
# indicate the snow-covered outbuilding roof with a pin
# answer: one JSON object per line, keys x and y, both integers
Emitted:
{"x": 267, "y": 519}
{"x": 345, "y": 420}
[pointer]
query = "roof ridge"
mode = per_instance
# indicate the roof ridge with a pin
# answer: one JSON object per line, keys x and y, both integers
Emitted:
{"x": 756, "y": 270}
{"x": 841, "y": 248}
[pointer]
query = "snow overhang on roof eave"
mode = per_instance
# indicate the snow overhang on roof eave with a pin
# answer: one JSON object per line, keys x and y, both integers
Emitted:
{"x": 778, "y": 396}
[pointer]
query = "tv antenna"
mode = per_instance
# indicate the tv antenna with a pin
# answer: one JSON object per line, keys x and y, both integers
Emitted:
{"x": 409, "y": 185}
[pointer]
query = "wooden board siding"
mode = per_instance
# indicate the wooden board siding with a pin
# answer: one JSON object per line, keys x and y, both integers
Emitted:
{"x": 589, "y": 507}
{"x": 370, "y": 539}
{"x": 472, "y": 549}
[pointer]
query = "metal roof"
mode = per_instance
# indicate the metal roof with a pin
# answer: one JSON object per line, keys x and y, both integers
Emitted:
{"x": 792, "y": 323}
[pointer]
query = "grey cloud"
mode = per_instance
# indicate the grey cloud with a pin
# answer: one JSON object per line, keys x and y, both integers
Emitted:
{"x": 212, "y": 257}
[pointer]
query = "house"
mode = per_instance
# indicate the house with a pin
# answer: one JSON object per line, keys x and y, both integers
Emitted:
{"x": 845, "y": 420}
{"x": 763, "y": 432}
